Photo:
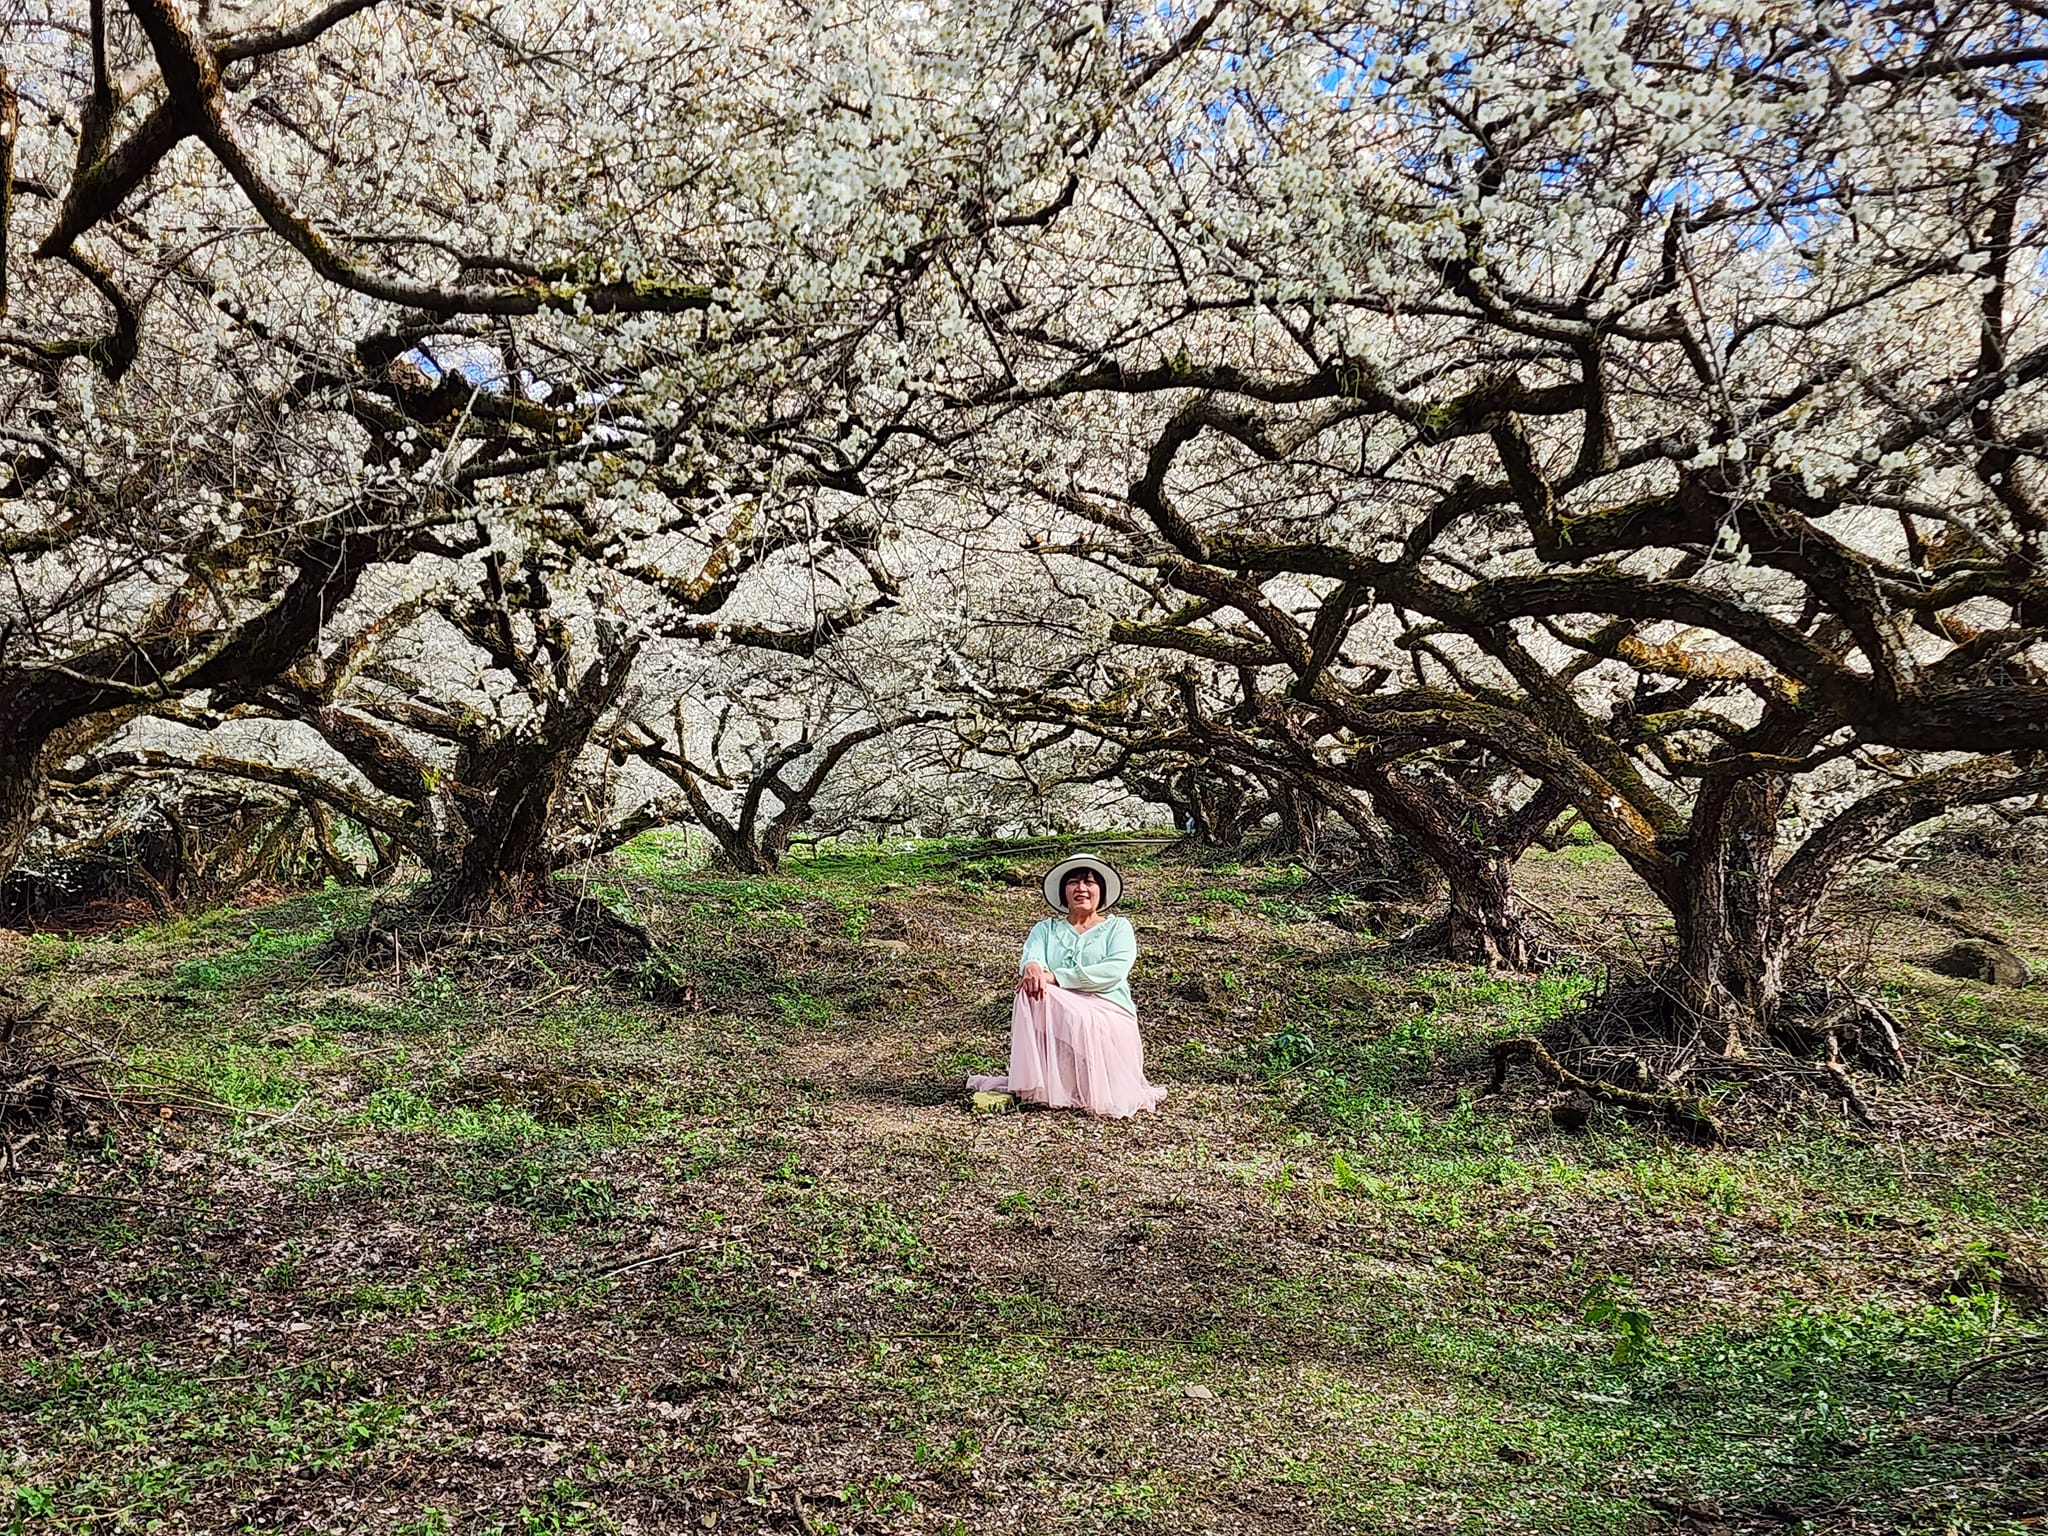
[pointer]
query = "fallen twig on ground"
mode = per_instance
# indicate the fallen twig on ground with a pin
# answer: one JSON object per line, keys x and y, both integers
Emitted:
{"x": 1986, "y": 1362}
{"x": 1680, "y": 1112}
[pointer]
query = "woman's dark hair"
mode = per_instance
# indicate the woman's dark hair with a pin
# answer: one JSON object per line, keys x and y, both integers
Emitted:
{"x": 1091, "y": 876}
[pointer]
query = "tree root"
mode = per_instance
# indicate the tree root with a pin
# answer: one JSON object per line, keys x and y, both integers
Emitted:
{"x": 1532, "y": 945}
{"x": 2004, "y": 1357}
{"x": 597, "y": 927}
{"x": 528, "y": 951}
{"x": 1686, "y": 1115}
{"x": 1825, "y": 1045}
{"x": 1839, "y": 1027}
{"x": 414, "y": 929}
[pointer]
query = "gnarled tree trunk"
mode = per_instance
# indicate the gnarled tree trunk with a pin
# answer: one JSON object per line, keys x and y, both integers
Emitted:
{"x": 507, "y": 797}
{"x": 1744, "y": 917}
{"x": 1214, "y": 804}
{"x": 21, "y": 796}
{"x": 1486, "y": 924}
{"x": 1297, "y": 819}
{"x": 504, "y": 856}
{"x": 1735, "y": 939}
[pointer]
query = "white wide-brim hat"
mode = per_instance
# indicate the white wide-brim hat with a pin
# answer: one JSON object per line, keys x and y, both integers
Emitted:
{"x": 1056, "y": 878}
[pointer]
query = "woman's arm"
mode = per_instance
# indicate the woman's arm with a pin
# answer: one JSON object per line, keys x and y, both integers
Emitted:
{"x": 1035, "y": 951}
{"x": 1112, "y": 970}
{"x": 1034, "y": 967}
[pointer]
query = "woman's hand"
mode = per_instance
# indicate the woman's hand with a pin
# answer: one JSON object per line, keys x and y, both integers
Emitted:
{"x": 1035, "y": 980}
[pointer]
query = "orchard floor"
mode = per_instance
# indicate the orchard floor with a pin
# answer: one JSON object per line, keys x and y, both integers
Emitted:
{"x": 479, "y": 1240}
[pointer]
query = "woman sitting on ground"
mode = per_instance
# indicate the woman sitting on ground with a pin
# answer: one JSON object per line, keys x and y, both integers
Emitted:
{"x": 1073, "y": 1029}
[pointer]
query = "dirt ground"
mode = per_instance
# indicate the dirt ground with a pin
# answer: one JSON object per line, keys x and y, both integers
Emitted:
{"x": 488, "y": 1237}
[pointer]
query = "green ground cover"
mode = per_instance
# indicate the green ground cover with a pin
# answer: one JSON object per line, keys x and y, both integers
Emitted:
{"x": 484, "y": 1238}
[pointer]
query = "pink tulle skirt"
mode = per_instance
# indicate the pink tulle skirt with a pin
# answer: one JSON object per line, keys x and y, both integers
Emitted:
{"x": 1073, "y": 1050}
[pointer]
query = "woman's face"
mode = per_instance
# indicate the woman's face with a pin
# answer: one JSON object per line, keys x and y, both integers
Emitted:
{"x": 1084, "y": 894}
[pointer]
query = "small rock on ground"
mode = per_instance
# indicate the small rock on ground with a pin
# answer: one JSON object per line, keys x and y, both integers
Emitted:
{"x": 1982, "y": 960}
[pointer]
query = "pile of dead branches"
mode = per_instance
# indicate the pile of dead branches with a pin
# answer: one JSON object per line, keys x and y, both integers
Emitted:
{"x": 1628, "y": 1048}
{"x": 566, "y": 930}
{"x": 52, "y": 1093}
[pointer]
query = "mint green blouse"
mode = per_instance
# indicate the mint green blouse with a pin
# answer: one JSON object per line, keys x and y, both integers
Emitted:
{"x": 1098, "y": 960}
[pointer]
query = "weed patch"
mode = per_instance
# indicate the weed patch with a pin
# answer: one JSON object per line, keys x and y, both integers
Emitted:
{"x": 163, "y": 1440}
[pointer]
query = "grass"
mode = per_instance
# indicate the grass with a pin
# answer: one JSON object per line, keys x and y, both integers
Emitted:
{"x": 483, "y": 1243}
{"x": 1356, "y": 1060}
{"x": 125, "y": 1411}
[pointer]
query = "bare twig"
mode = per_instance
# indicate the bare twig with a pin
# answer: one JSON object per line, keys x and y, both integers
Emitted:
{"x": 1682, "y": 1113}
